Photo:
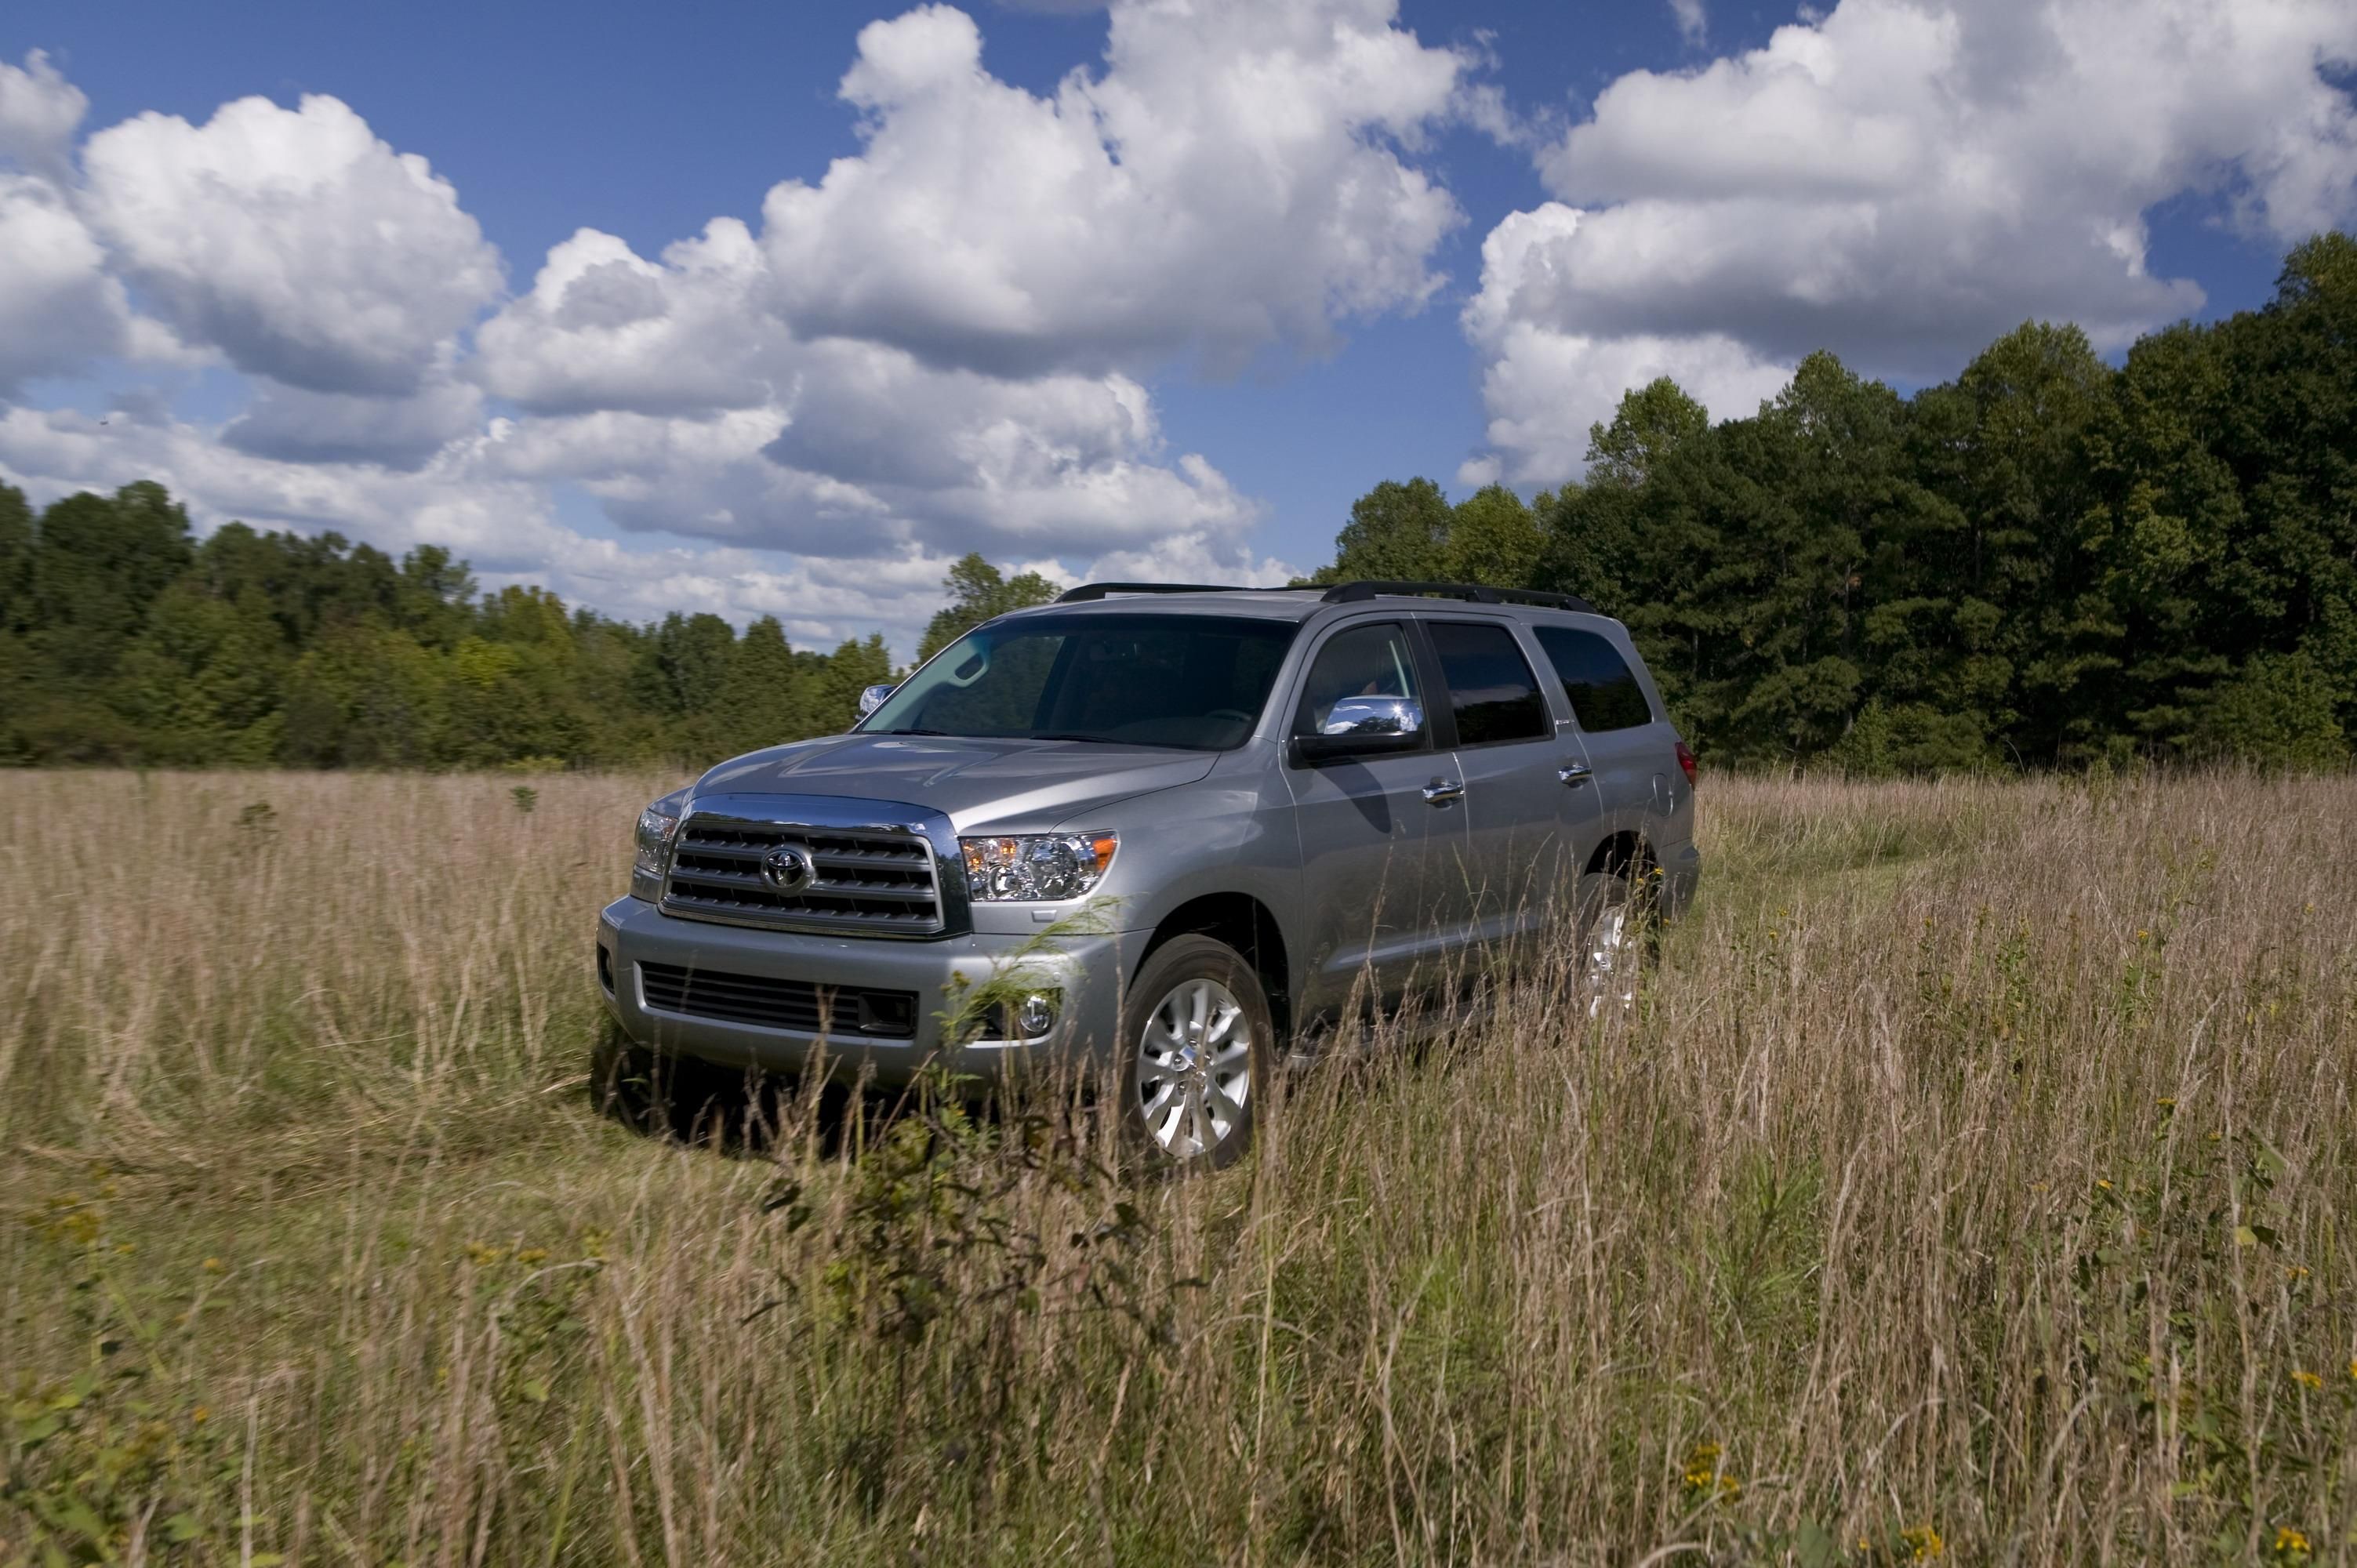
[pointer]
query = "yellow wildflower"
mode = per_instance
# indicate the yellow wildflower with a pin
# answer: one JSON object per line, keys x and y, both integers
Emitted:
{"x": 1923, "y": 1542}
{"x": 2103, "y": 1184}
{"x": 2290, "y": 1542}
{"x": 1702, "y": 1472}
{"x": 532, "y": 1256}
{"x": 2144, "y": 935}
{"x": 2167, "y": 1102}
{"x": 2308, "y": 1380}
{"x": 213, "y": 1265}
{"x": 201, "y": 1415}
{"x": 483, "y": 1252}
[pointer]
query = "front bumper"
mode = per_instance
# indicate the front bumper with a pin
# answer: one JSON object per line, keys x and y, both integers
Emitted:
{"x": 1087, "y": 970}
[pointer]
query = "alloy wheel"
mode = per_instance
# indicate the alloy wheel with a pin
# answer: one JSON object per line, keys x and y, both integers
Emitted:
{"x": 1194, "y": 1069}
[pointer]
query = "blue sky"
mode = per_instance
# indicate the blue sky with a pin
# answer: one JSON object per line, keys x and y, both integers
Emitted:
{"x": 1135, "y": 369}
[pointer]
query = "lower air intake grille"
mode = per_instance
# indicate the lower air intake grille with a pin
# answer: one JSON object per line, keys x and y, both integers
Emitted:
{"x": 794, "y": 1004}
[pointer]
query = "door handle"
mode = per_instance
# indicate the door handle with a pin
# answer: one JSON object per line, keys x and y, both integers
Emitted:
{"x": 1441, "y": 791}
{"x": 1575, "y": 773}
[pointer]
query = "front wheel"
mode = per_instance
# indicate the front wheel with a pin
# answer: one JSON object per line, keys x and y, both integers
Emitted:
{"x": 645, "y": 1089}
{"x": 1200, "y": 1035}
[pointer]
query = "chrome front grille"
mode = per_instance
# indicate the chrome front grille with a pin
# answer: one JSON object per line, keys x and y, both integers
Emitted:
{"x": 877, "y": 880}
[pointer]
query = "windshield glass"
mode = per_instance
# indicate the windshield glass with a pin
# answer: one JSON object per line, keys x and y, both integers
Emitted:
{"x": 1196, "y": 683}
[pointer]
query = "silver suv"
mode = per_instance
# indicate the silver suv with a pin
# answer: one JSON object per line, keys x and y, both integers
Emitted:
{"x": 1179, "y": 830}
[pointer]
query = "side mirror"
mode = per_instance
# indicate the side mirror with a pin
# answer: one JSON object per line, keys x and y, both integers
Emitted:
{"x": 873, "y": 698}
{"x": 1365, "y": 726}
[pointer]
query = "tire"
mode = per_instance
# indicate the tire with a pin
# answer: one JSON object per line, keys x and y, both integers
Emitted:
{"x": 622, "y": 1076}
{"x": 1197, "y": 1041}
{"x": 646, "y": 1089}
{"x": 1620, "y": 935}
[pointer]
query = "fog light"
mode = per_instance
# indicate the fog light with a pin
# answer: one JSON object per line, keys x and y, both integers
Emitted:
{"x": 1035, "y": 1015}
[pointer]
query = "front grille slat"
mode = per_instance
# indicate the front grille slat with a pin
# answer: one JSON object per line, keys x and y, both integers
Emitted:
{"x": 796, "y": 1004}
{"x": 880, "y": 880}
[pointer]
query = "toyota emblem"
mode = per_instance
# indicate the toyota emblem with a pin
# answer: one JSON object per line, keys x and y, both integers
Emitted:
{"x": 787, "y": 868}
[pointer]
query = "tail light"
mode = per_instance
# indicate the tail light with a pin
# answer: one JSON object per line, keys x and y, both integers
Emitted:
{"x": 1686, "y": 761}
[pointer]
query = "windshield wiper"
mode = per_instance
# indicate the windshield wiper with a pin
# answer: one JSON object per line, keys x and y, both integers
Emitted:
{"x": 1109, "y": 740}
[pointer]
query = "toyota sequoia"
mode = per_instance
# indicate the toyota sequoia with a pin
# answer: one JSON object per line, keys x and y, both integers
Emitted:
{"x": 1169, "y": 831}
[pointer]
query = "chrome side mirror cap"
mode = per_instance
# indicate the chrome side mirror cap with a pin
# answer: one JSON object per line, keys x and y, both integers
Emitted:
{"x": 1362, "y": 726}
{"x": 1366, "y": 717}
{"x": 873, "y": 698}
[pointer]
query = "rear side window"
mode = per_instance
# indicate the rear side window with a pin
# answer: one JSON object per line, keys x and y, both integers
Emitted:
{"x": 1490, "y": 687}
{"x": 1601, "y": 687}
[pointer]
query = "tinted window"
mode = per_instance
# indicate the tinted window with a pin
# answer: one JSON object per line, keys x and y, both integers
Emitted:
{"x": 1489, "y": 684}
{"x": 1603, "y": 690}
{"x": 1194, "y": 682}
{"x": 1364, "y": 662}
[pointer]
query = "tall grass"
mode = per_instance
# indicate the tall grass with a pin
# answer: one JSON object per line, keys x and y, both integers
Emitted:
{"x": 1974, "y": 1178}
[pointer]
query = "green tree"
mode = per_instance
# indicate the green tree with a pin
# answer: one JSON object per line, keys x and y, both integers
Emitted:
{"x": 852, "y": 668}
{"x": 201, "y": 685}
{"x": 979, "y": 592}
{"x": 1591, "y": 531}
{"x": 365, "y": 696}
{"x": 766, "y": 701}
{"x": 1651, "y": 423}
{"x": 1493, "y": 538}
{"x": 1397, "y": 533}
{"x": 15, "y": 560}
{"x": 99, "y": 561}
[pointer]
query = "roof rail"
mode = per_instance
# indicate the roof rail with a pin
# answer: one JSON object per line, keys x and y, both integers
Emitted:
{"x": 1100, "y": 590}
{"x": 1477, "y": 593}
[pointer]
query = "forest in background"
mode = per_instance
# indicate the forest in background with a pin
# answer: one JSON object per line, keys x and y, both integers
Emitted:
{"x": 2047, "y": 561}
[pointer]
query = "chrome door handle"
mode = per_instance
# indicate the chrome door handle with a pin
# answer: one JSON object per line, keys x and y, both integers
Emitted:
{"x": 1575, "y": 773}
{"x": 1441, "y": 791}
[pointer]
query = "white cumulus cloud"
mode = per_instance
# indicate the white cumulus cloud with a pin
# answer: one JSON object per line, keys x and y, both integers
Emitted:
{"x": 38, "y": 111}
{"x": 1230, "y": 181}
{"x": 602, "y": 327}
{"x": 59, "y": 306}
{"x": 295, "y": 241}
{"x": 1901, "y": 181}
{"x": 940, "y": 344}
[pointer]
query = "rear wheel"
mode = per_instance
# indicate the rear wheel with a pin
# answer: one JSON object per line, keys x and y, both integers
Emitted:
{"x": 1198, "y": 1033}
{"x": 1619, "y": 927}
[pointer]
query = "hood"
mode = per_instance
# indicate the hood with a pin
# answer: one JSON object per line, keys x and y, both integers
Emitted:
{"x": 1006, "y": 785}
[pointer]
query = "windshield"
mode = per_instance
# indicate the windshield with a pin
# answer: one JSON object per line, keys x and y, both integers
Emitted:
{"x": 1196, "y": 683}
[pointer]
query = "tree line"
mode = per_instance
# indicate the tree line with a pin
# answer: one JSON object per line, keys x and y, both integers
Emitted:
{"x": 2047, "y": 561}
{"x": 123, "y": 639}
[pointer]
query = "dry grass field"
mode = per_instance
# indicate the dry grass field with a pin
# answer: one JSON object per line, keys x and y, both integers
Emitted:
{"x": 1974, "y": 1181}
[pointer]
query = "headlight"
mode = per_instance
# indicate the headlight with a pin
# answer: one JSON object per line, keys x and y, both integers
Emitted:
{"x": 1036, "y": 867}
{"x": 657, "y": 832}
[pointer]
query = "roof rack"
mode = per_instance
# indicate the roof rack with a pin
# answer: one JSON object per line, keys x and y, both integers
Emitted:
{"x": 1098, "y": 590}
{"x": 1346, "y": 593}
{"x": 1477, "y": 593}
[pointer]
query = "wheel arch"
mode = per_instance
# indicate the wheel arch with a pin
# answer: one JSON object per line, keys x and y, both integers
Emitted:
{"x": 1624, "y": 854}
{"x": 1245, "y": 924}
